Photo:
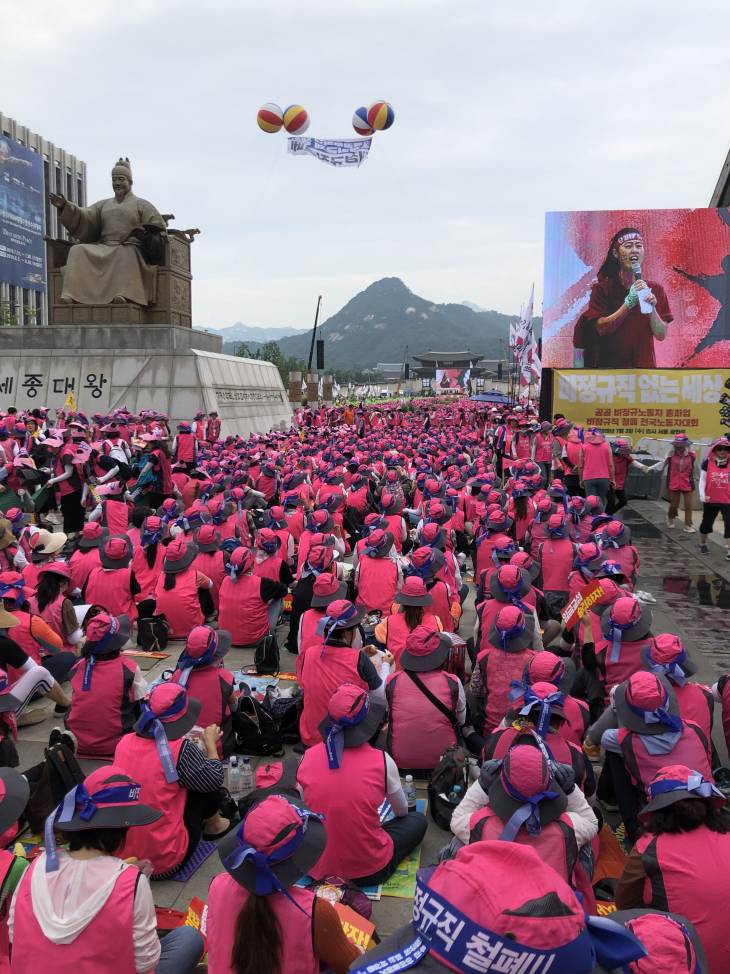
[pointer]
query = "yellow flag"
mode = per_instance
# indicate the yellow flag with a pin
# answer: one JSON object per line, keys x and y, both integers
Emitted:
{"x": 70, "y": 402}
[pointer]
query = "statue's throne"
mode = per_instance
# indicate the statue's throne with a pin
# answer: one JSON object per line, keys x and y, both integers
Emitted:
{"x": 172, "y": 306}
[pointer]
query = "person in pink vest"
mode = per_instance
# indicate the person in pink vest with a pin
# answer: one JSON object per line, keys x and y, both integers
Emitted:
{"x": 537, "y": 531}
{"x": 51, "y": 602}
{"x": 213, "y": 427}
{"x": 86, "y": 557}
{"x": 249, "y": 605}
{"x": 502, "y": 659}
{"x": 327, "y": 589}
{"x": 546, "y": 667}
{"x": 426, "y": 705}
{"x": 276, "y": 520}
{"x": 181, "y": 589}
{"x": 715, "y": 492}
{"x": 113, "y": 585}
{"x": 200, "y": 669}
{"x": 346, "y": 779}
{"x": 335, "y": 659}
{"x": 45, "y": 547}
{"x": 211, "y": 560}
{"x": 82, "y": 910}
{"x": 588, "y": 559}
{"x": 511, "y": 585}
{"x": 682, "y": 860}
{"x": 392, "y": 507}
{"x": 186, "y": 781}
{"x": 543, "y": 447}
{"x": 112, "y": 510}
{"x": 626, "y": 626}
{"x": 257, "y": 916}
{"x": 642, "y": 732}
{"x": 185, "y": 447}
{"x": 106, "y": 688}
{"x": 615, "y": 540}
{"x": 556, "y": 555}
{"x": 269, "y": 562}
{"x": 667, "y": 657}
{"x": 413, "y": 610}
{"x": 595, "y": 465}
{"x": 147, "y": 560}
{"x": 490, "y": 531}
{"x": 427, "y": 563}
{"x": 377, "y": 576}
{"x": 680, "y": 467}
{"x": 504, "y": 906}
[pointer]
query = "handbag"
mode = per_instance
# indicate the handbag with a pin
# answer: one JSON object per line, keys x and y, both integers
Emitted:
{"x": 255, "y": 729}
{"x": 153, "y": 633}
{"x": 266, "y": 657}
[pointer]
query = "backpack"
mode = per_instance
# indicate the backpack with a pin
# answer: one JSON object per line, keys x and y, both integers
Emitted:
{"x": 54, "y": 778}
{"x": 266, "y": 658}
{"x": 255, "y": 729}
{"x": 285, "y": 712}
{"x": 452, "y": 769}
{"x": 153, "y": 633}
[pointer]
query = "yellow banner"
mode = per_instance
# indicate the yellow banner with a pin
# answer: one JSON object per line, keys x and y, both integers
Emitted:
{"x": 646, "y": 403}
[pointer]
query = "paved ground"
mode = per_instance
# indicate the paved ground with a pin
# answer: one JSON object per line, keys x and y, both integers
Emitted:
{"x": 693, "y": 595}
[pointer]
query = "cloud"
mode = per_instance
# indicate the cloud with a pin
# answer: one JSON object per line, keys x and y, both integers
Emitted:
{"x": 502, "y": 113}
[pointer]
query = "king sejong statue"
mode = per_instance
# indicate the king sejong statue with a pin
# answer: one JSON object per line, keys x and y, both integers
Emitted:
{"x": 121, "y": 239}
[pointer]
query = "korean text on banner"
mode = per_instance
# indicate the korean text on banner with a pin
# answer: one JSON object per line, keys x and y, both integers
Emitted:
{"x": 583, "y": 600}
{"x": 654, "y": 403}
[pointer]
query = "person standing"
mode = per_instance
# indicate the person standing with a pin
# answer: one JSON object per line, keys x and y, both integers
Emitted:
{"x": 715, "y": 492}
{"x": 595, "y": 465}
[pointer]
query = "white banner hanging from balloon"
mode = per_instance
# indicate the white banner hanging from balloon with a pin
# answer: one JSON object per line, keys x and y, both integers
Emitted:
{"x": 335, "y": 152}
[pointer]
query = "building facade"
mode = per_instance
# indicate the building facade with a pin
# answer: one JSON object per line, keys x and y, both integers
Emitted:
{"x": 63, "y": 174}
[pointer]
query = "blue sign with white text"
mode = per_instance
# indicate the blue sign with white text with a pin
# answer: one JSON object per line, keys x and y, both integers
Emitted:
{"x": 22, "y": 251}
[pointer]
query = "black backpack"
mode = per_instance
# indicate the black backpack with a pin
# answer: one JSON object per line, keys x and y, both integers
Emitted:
{"x": 153, "y": 633}
{"x": 452, "y": 769}
{"x": 255, "y": 729}
{"x": 50, "y": 783}
{"x": 285, "y": 712}
{"x": 266, "y": 658}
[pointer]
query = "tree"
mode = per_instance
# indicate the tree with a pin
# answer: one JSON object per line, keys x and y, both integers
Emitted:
{"x": 243, "y": 351}
{"x": 9, "y": 317}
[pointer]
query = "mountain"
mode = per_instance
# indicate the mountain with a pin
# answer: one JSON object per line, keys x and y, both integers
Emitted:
{"x": 472, "y": 307}
{"x": 377, "y": 324}
{"x": 252, "y": 333}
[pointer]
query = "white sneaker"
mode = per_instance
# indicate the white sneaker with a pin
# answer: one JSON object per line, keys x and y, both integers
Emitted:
{"x": 671, "y": 522}
{"x": 688, "y": 529}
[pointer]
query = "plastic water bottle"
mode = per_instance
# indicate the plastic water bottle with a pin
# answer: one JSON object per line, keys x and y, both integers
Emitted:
{"x": 235, "y": 778}
{"x": 410, "y": 793}
{"x": 247, "y": 779}
{"x": 455, "y": 794}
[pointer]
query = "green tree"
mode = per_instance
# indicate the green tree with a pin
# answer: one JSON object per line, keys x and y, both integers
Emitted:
{"x": 9, "y": 317}
{"x": 243, "y": 351}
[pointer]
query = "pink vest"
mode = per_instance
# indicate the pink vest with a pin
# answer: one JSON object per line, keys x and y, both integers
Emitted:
{"x": 498, "y": 669}
{"x": 544, "y": 448}
{"x": 165, "y": 841}
{"x": 308, "y": 629}
{"x": 717, "y": 482}
{"x": 418, "y": 733}
{"x": 690, "y": 750}
{"x": 485, "y": 546}
{"x": 575, "y": 727}
{"x": 212, "y": 564}
{"x": 358, "y": 499}
{"x": 115, "y": 516}
{"x": 627, "y": 558}
{"x": 687, "y": 874}
{"x": 226, "y": 899}
{"x": 100, "y": 715}
{"x": 269, "y": 568}
{"x": 490, "y": 610}
{"x": 146, "y": 576}
{"x": 53, "y": 615}
{"x": 242, "y": 610}
{"x": 322, "y": 671}
{"x": 377, "y": 583}
{"x": 185, "y": 447}
{"x": 31, "y": 573}
{"x": 680, "y": 467}
{"x": 696, "y": 706}
{"x": 212, "y": 686}
{"x": 81, "y": 564}
{"x": 556, "y": 562}
{"x": 349, "y": 798}
{"x": 112, "y": 589}
{"x": 180, "y": 605}
{"x": 21, "y": 634}
{"x": 107, "y": 942}
{"x": 398, "y": 631}
{"x": 596, "y": 459}
{"x": 630, "y": 659}
{"x": 394, "y": 524}
{"x": 583, "y": 529}
{"x": 538, "y": 534}
{"x": 556, "y": 844}
{"x": 441, "y": 605}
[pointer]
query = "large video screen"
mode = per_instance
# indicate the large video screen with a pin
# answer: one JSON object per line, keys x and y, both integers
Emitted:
{"x": 22, "y": 251}
{"x": 637, "y": 289}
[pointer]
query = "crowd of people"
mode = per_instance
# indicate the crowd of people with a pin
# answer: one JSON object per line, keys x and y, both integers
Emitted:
{"x": 358, "y": 536}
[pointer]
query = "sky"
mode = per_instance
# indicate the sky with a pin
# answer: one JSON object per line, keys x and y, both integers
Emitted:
{"x": 502, "y": 112}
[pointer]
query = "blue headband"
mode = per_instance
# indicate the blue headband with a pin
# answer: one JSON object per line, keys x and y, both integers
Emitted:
{"x": 152, "y": 721}
{"x": 335, "y": 740}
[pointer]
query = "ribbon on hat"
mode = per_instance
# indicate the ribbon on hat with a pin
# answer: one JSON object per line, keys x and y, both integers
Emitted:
{"x": 152, "y": 721}
{"x": 528, "y": 814}
{"x": 513, "y": 598}
{"x": 6, "y": 587}
{"x": 98, "y": 647}
{"x": 546, "y": 708}
{"x": 335, "y": 740}
{"x": 695, "y": 784}
{"x": 327, "y": 624}
{"x": 267, "y": 882}
{"x": 673, "y": 671}
{"x": 506, "y": 634}
{"x": 182, "y": 522}
{"x": 149, "y": 537}
{"x": 187, "y": 663}
{"x": 659, "y": 716}
{"x": 615, "y": 634}
{"x": 87, "y": 805}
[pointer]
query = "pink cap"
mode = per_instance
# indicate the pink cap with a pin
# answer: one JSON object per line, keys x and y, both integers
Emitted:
{"x": 162, "y": 696}
{"x": 431, "y": 532}
{"x": 92, "y": 531}
{"x": 556, "y": 521}
{"x": 611, "y": 592}
{"x": 270, "y": 823}
{"x": 56, "y": 568}
{"x": 347, "y": 699}
{"x": 614, "y": 529}
{"x": 199, "y": 640}
{"x": 626, "y": 611}
{"x": 268, "y": 775}
{"x": 667, "y": 647}
{"x": 546, "y": 668}
{"x": 207, "y": 534}
{"x": 508, "y": 617}
{"x": 100, "y": 626}
{"x": 423, "y": 641}
{"x": 525, "y": 769}
{"x": 177, "y": 550}
{"x": 509, "y": 577}
{"x": 117, "y": 549}
{"x": 325, "y": 584}
{"x": 670, "y": 948}
{"x": 242, "y": 559}
{"x": 320, "y": 557}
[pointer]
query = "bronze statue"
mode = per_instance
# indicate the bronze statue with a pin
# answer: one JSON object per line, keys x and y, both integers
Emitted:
{"x": 121, "y": 240}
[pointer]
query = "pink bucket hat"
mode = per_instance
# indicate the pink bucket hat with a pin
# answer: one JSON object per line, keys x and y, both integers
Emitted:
{"x": 674, "y": 783}
{"x": 91, "y": 535}
{"x": 511, "y": 631}
{"x": 116, "y": 552}
{"x": 646, "y": 704}
{"x": 179, "y": 555}
{"x": 352, "y": 719}
{"x": 425, "y": 650}
{"x": 327, "y": 589}
{"x": 413, "y": 592}
{"x": 668, "y": 657}
{"x": 668, "y": 941}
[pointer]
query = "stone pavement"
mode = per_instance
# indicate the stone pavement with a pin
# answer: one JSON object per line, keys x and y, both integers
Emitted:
{"x": 693, "y": 595}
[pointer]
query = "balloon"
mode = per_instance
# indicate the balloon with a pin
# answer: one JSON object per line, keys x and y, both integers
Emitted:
{"x": 270, "y": 117}
{"x": 360, "y": 121}
{"x": 380, "y": 115}
{"x": 296, "y": 119}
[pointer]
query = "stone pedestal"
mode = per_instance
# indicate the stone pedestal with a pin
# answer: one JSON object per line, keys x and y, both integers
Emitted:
{"x": 172, "y": 369}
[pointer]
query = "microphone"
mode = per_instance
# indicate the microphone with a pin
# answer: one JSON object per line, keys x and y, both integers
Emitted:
{"x": 637, "y": 270}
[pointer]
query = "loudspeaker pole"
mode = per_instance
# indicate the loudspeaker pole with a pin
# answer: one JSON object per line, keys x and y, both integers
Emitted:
{"x": 314, "y": 334}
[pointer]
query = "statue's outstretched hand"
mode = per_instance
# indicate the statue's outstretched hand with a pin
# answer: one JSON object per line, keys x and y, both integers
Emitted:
{"x": 57, "y": 200}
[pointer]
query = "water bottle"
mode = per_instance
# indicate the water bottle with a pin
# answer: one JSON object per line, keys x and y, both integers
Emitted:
{"x": 234, "y": 783}
{"x": 247, "y": 779}
{"x": 410, "y": 793}
{"x": 455, "y": 794}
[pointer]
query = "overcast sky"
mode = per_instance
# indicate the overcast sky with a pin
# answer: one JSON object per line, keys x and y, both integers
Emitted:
{"x": 503, "y": 111}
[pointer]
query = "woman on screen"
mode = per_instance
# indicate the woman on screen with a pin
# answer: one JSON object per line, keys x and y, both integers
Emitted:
{"x": 625, "y": 313}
